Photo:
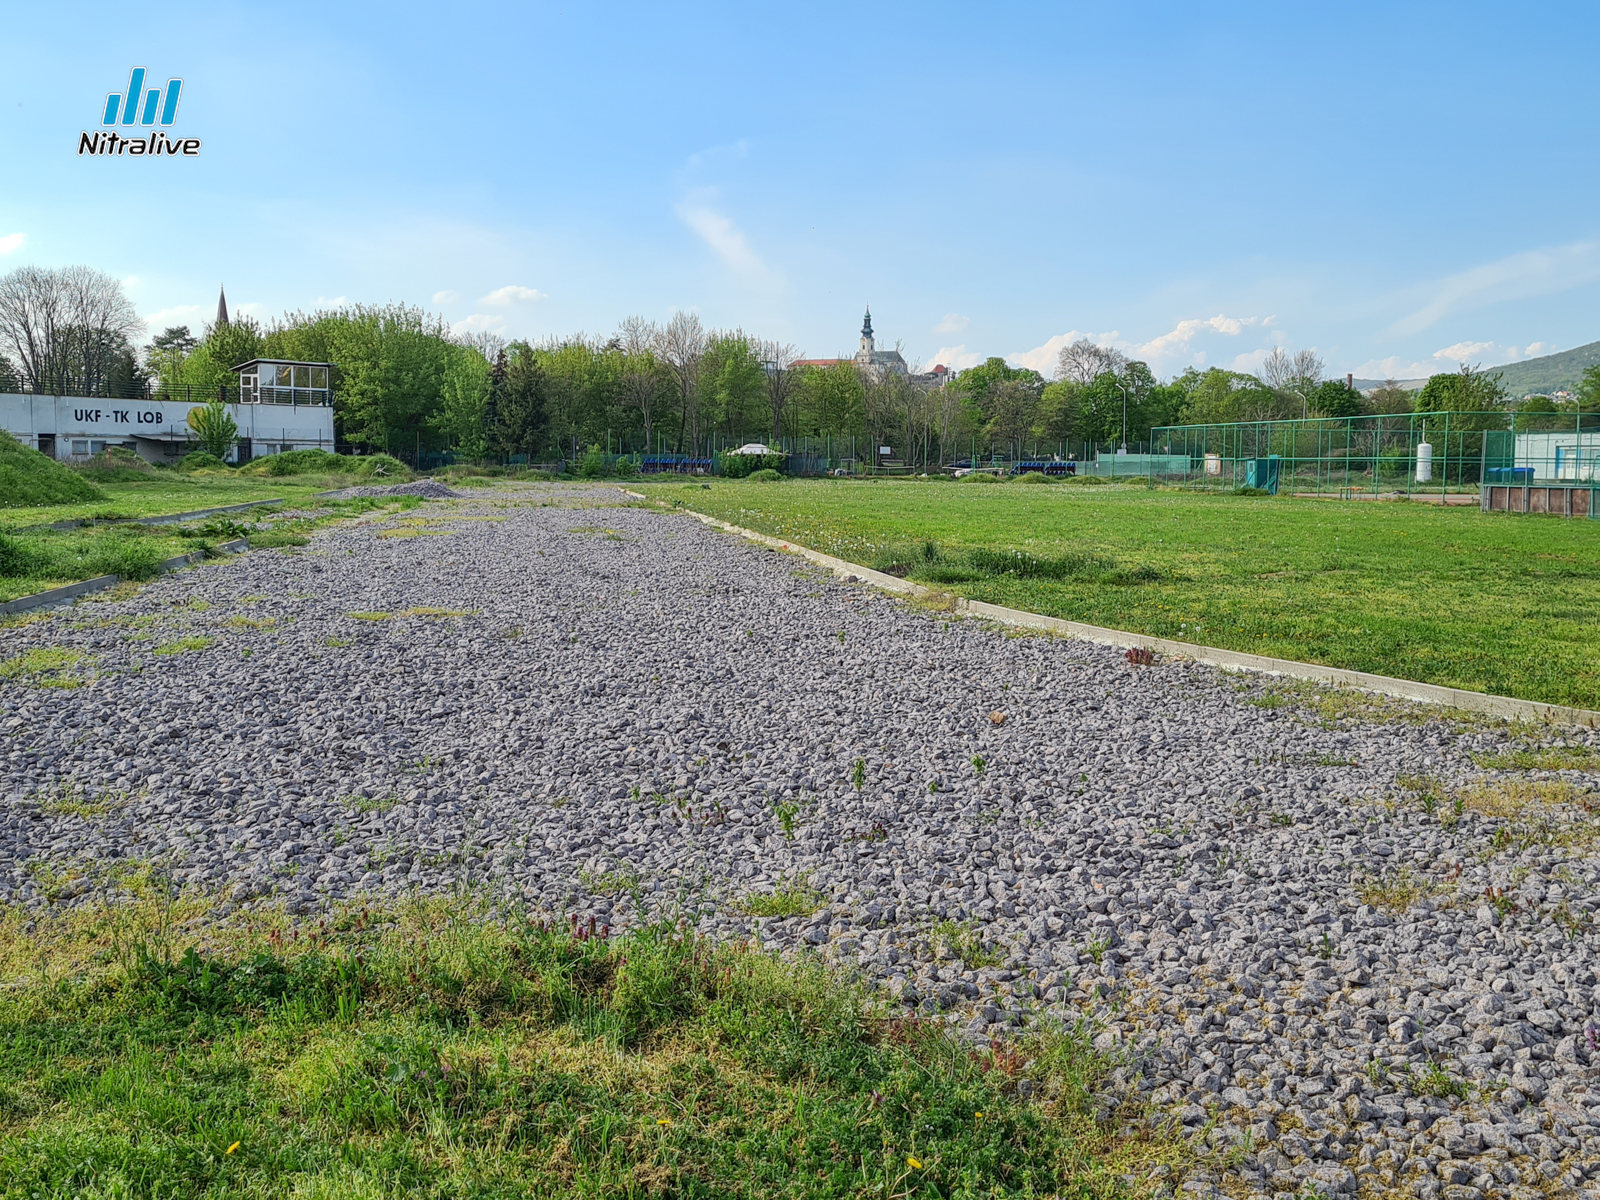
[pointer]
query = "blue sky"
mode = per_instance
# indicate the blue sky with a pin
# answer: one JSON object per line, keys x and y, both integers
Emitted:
{"x": 1399, "y": 186}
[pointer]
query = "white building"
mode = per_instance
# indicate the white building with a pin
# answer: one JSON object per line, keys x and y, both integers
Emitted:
{"x": 1565, "y": 456}
{"x": 275, "y": 416}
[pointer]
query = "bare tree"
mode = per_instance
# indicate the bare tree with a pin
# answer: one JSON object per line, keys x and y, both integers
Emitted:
{"x": 778, "y": 359}
{"x": 485, "y": 343}
{"x": 1083, "y": 361}
{"x": 639, "y": 381}
{"x": 947, "y": 401}
{"x": 1292, "y": 375}
{"x": 65, "y": 328}
{"x": 681, "y": 345}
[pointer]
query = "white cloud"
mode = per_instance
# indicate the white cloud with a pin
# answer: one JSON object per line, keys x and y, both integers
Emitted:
{"x": 1394, "y": 367}
{"x": 325, "y": 302}
{"x": 1534, "y": 273}
{"x": 12, "y": 242}
{"x": 132, "y": 281}
{"x": 1043, "y": 358}
{"x": 446, "y": 297}
{"x": 956, "y": 357}
{"x": 1178, "y": 339}
{"x": 952, "y": 323}
{"x": 479, "y": 323}
{"x": 1462, "y": 351}
{"x": 726, "y": 240}
{"x": 1248, "y": 361}
{"x": 513, "y": 294}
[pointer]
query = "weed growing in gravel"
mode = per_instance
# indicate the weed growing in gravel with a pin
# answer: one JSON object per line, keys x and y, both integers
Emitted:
{"x": 336, "y": 642}
{"x": 439, "y": 612}
{"x": 787, "y": 813}
{"x": 1397, "y": 891}
{"x": 795, "y": 898}
{"x": 1434, "y": 1080}
{"x": 69, "y": 799}
{"x": 978, "y": 764}
{"x": 243, "y": 622}
{"x": 858, "y": 773}
{"x": 370, "y": 804}
{"x": 621, "y": 881}
{"x": 183, "y": 645}
{"x": 442, "y": 1049}
{"x": 369, "y": 616}
{"x": 45, "y": 666}
{"x": 1545, "y": 758}
{"x": 961, "y": 939}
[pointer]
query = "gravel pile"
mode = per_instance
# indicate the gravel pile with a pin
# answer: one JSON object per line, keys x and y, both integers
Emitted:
{"x": 1301, "y": 950}
{"x": 430, "y": 489}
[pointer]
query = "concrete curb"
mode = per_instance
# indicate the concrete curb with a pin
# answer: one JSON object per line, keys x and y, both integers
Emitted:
{"x": 1406, "y": 689}
{"x": 72, "y": 591}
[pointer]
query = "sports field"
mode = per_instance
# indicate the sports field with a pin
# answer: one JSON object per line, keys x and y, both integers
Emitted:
{"x": 1496, "y": 603}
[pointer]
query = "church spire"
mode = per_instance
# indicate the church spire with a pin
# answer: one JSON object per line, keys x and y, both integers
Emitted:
{"x": 222, "y": 306}
{"x": 866, "y": 324}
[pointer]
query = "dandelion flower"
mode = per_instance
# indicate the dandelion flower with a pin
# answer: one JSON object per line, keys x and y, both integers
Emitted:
{"x": 913, "y": 1163}
{"x": 977, "y": 1116}
{"x": 230, "y": 1150}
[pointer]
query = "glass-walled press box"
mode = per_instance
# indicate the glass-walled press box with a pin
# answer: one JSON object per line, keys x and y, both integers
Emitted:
{"x": 279, "y": 381}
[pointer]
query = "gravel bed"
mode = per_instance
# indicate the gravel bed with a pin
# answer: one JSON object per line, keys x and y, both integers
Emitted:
{"x": 430, "y": 489}
{"x": 622, "y": 714}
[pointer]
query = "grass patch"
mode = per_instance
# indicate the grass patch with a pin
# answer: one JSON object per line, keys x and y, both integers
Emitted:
{"x": 961, "y": 939}
{"x": 440, "y": 1050}
{"x": 1442, "y": 594}
{"x": 183, "y": 645}
{"x": 438, "y": 612}
{"x": 1397, "y": 890}
{"x": 1544, "y": 758}
{"x": 45, "y": 666}
{"x": 794, "y": 899}
{"x": 369, "y": 616}
{"x": 29, "y": 479}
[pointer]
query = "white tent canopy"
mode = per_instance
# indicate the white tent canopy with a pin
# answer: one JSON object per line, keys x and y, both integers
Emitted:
{"x": 753, "y": 448}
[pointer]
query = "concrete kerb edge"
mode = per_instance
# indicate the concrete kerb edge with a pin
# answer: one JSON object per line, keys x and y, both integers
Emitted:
{"x": 1506, "y": 707}
{"x": 83, "y": 587}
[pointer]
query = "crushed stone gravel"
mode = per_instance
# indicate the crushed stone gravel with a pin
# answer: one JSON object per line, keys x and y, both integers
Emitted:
{"x": 1300, "y": 949}
{"x": 430, "y": 489}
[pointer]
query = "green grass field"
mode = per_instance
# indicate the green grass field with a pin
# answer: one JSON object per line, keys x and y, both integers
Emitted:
{"x": 171, "y": 492}
{"x": 1492, "y": 602}
{"x": 436, "y": 1050}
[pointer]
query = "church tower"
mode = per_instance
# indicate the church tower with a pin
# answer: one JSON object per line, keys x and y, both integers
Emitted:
{"x": 868, "y": 346}
{"x": 222, "y": 306}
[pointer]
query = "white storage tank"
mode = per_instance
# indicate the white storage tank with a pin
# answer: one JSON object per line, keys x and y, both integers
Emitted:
{"x": 1424, "y": 463}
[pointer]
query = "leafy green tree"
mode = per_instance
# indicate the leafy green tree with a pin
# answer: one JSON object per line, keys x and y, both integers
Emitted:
{"x": 1336, "y": 398}
{"x": 522, "y": 425}
{"x": 464, "y": 403}
{"x": 207, "y": 369}
{"x": 390, "y": 361}
{"x": 733, "y": 396}
{"x": 1216, "y": 396}
{"x": 977, "y": 382}
{"x": 1058, "y": 411}
{"x": 1589, "y": 389}
{"x": 1478, "y": 395}
{"x": 213, "y": 427}
{"x": 1013, "y": 408}
{"x": 832, "y": 401}
{"x": 1390, "y": 398}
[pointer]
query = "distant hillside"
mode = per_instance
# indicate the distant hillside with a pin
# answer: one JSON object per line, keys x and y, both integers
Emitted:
{"x": 1552, "y": 373}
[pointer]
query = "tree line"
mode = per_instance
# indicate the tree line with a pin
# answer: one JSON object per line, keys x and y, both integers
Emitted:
{"x": 404, "y": 382}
